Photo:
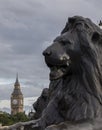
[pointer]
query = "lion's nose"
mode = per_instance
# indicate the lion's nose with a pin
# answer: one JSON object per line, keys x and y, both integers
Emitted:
{"x": 47, "y": 52}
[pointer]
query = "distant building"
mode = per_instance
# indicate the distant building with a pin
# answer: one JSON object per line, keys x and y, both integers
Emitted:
{"x": 17, "y": 99}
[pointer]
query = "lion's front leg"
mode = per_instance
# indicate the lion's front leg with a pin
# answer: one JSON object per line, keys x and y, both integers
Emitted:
{"x": 34, "y": 125}
{"x": 30, "y": 125}
{"x": 17, "y": 126}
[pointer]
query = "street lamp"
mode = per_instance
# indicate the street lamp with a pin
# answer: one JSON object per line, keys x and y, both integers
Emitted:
{"x": 100, "y": 24}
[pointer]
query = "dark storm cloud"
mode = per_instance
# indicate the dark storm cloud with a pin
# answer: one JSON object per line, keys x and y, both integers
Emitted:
{"x": 27, "y": 27}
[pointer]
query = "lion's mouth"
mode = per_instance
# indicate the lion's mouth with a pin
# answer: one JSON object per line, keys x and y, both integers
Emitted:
{"x": 59, "y": 70}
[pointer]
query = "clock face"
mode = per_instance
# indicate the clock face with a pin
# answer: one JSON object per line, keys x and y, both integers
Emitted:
{"x": 14, "y": 101}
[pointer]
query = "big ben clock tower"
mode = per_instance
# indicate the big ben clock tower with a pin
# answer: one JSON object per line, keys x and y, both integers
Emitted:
{"x": 16, "y": 99}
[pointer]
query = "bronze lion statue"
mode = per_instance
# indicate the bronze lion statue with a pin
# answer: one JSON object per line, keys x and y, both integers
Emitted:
{"x": 75, "y": 62}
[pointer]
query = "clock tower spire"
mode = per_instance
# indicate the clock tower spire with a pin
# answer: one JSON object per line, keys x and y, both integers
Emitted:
{"x": 16, "y": 98}
{"x": 17, "y": 81}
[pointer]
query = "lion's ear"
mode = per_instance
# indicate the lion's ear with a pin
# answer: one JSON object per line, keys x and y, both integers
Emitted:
{"x": 95, "y": 37}
{"x": 71, "y": 20}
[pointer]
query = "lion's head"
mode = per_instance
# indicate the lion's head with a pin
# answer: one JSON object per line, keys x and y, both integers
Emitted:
{"x": 79, "y": 40}
{"x": 76, "y": 58}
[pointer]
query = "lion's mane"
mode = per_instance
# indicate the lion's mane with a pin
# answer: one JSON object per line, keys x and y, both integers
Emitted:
{"x": 83, "y": 89}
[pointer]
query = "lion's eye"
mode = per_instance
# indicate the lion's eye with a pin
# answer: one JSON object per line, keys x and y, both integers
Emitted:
{"x": 65, "y": 42}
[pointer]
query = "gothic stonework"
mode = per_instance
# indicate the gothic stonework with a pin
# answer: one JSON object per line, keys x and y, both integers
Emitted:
{"x": 16, "y": 99}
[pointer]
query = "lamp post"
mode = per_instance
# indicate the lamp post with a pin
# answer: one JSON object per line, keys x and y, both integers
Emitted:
{"x": 100, "y": 24}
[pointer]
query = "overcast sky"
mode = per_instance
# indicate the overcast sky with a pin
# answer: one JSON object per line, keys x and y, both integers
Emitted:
{"x": 27, "y": 27}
